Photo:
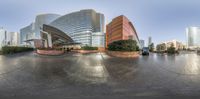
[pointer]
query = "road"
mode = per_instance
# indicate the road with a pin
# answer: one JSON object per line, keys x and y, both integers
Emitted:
{"x": 89, "y": 76}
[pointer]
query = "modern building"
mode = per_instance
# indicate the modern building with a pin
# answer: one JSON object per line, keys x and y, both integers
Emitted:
{"x": 142, "y": 43}
{"x": 27, "y": 33}
{"x": 193, "y": 37}
{"x": 176, "y": 44}
{"x": 85, "y": 27}
{"x": 3, "y": 37}
{"x": 14, "y": 38}
{"x": 120, "y": 28}
{"x": 40, "y": 20}
{"x": 32, "y": 32}
{"x": 149, "y": 41}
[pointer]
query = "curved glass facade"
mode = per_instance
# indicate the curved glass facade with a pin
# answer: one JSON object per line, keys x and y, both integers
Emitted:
{"x": 33, "y": 30}
{"x": 43, "y": 19}
{"x": 193, "y": 40}
{"x": 26, "y": 33}
{"x": 85, "y": 27}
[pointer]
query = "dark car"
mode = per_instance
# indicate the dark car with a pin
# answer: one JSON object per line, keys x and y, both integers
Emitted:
{"x": 198, "y": 52}
{"x": 145, "y": 51}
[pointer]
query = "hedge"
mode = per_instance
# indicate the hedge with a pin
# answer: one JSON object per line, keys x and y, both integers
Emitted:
{"x": 15, "y": 49}
{"x": 123, "y": 45}
{"x": 89, "y": 48}
{"x": 171, "y": 50}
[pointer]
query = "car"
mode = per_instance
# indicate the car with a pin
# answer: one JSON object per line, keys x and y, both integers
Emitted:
{"x": 145, "y": 51}
{"x": 198, "y": 52}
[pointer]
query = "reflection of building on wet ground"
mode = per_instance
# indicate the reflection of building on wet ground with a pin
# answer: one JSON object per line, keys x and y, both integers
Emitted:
{"x": 97, "y": 75}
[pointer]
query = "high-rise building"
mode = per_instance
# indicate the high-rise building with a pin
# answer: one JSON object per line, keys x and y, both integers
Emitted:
{"x": 33, "y": 30}
{"x": 142, "y": 43}
{"x": 85, "y": 27}
{"x": 26, "y": 33}
{"x": 193, "y": 37}
{"x": 120, "y": 28}
{"x": 3, "y": 37}
{"x": 149, "y": 41}
{"x": 14, "y": 38}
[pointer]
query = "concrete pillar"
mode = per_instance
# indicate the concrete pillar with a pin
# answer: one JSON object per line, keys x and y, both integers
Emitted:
{"x": 49, "y": 40}
{"x": 45, "y": 43}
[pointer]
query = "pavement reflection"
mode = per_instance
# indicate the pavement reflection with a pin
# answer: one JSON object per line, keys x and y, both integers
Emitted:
{"x": 93, "y": 75}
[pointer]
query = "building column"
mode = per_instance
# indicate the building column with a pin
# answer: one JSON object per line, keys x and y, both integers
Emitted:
{"x": 49, "y": 40}
{"x": 45, "y": 43}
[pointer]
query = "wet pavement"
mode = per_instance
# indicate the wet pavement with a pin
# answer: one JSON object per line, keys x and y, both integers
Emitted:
{"x": 89, "y": 76}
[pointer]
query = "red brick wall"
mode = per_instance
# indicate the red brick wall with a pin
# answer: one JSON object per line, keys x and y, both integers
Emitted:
{"x": 119, "y": 29}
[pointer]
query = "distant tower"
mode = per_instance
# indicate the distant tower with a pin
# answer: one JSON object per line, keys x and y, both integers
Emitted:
{"x": 149, "y": 41}
{"x": 142, "y": 43}
{"x": 193, "y": 34}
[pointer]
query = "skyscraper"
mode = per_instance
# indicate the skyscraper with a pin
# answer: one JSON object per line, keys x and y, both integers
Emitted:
{"x": 14, "y": 38}
{"x": 193, "y": 37}
{"x": 149, "y": 41}
{"x": 142, "y": 43}
{"x": 3, "y": 37}
{"x": 84, "y": 26}
{"x": 26, "y": 33}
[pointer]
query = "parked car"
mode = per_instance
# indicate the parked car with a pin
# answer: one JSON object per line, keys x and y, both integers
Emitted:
{"x": 198, "y": 52}
{"x": 145, "y": 51}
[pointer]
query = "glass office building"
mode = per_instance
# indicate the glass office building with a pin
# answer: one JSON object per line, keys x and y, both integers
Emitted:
{"x": 193, "y": 40}
{"x": 33, "y": 30}
{"x": 85, "y": 27}
{"x": 40, "y": 20}
{"x": 3, "y": 37}
{"x": 26, "y": 33}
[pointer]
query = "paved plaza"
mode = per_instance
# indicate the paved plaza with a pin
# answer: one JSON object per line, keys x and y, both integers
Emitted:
{"x": 97, "y": 76}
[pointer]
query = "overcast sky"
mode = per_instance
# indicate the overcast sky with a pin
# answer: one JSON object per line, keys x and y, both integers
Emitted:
{"x": 161, "y": 19}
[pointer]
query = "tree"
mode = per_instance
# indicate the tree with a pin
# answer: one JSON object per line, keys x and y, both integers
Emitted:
{"x": 123, "y": 45}
{"x": 161, "y": 47}
{"x": 151, "y": 47}
{"x": 171, "y": 49}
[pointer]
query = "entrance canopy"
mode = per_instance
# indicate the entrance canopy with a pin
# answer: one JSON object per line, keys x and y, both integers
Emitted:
{"x": 55, "y": 37}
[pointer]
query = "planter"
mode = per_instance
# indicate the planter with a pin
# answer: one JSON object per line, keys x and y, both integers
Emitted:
{"x": 50, "y": 52}
{"x": 123, "y": 54}
{"x": 86, "y": 51}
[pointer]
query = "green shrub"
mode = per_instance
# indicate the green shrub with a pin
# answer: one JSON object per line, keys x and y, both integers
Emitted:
{"x": 15, "y": 49}
{"x": 171, "y": 50}
{"x": 123, "y": 45}
{"x": 89, "y": 48}
{"x": 151, "y": 47}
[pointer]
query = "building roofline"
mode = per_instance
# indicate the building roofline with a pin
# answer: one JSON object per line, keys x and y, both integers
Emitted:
{"x": 42, "y": 14}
